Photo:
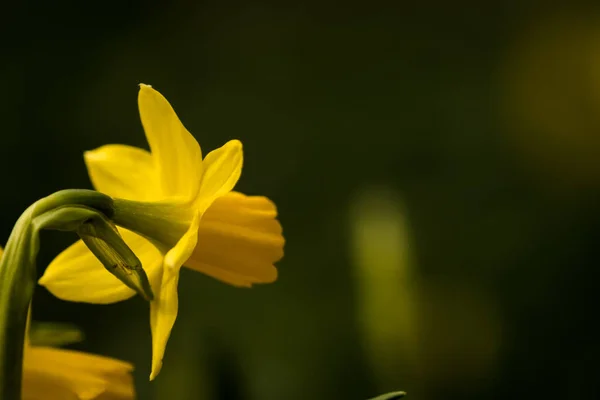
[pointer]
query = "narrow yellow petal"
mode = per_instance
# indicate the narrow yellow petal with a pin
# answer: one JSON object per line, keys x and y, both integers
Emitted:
{"x": 222, "y": 169}
{"x": 177, "y": 154}
{"x": 163, "y": 310}
{"x": 123, "y": 171}
{"x": 239, "y": 240}
{"x": 76, "y": 275}
{"x": 183, "y": 250}
{"x": 64, "y": 374}
{"x": 62, "y": 358}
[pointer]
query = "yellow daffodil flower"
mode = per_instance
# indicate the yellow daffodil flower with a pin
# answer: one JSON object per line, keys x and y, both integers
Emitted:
{"x": 183, "y": 212}
{"x": 57, "y": 374}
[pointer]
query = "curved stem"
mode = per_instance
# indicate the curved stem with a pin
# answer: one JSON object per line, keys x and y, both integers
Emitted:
{"x": 18, "y": 279}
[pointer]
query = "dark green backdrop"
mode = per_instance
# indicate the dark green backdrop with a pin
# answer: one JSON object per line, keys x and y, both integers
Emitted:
{"x": 455, "y": 142}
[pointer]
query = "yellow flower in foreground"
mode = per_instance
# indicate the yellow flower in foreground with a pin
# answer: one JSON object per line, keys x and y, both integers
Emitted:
{"x": 57, "y": 374}
{"x": 185, "y": 210}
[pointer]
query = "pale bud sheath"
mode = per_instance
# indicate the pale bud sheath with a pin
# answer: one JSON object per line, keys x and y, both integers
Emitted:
{"x": 102, "y": 238}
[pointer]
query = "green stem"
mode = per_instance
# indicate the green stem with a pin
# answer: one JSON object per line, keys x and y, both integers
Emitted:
{"x": 18, "y": 279}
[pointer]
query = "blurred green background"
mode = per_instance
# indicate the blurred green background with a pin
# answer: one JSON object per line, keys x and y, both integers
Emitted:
{"x": 435, "y": 166}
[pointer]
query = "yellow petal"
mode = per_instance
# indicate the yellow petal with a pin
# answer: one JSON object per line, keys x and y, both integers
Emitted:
{"x": 76, "y": 275}
{"x": 183, "y": 250}
{"x": 177, "y": 154}
{"x": 123, "y": 171}
{"x": 64, "y": 374}
{"x": 222, "y": 169}
{"x": 239, "y": 240}
{"x": 163, "y": 310}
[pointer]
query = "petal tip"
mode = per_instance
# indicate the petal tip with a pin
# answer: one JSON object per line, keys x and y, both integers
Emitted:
{"x": 47, "y": 277}
{"x": 146, "y": 90}
{"x": 235, "y": 144}
{"x": 155, "y": 370}
{"x": 92, "y": 155}
{"x": 43, "y": 280}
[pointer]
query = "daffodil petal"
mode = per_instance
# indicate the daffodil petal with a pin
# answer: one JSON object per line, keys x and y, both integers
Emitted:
{"x": 123, "y": 171}
{"x": 163, "y": 310}
{"x": 239, "y": 240}
{"x": 76, "y": 275}
{"x": 222, "y": 169}
{"x": 178, "y": 155}
{"x": 179, "y": 254}
{"x": 65, "y": 374}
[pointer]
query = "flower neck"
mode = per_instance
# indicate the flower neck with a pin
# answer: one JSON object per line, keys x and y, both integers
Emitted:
{"x": 162, "y": 223}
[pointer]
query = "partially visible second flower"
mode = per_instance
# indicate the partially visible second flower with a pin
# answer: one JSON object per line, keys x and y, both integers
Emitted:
{"x": 180, "y": 210}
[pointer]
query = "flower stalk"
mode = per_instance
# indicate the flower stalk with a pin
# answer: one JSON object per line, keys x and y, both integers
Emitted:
{"x": 83, "y": 211}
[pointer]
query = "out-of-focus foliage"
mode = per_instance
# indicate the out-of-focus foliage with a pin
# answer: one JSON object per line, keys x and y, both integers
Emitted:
{"x": 551, "y": 87}
{"x": 444, "y": 152}
{"x": 387, "y": 292}
{"x": 53, "y": 334}
{"x": 415, "y": 330}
